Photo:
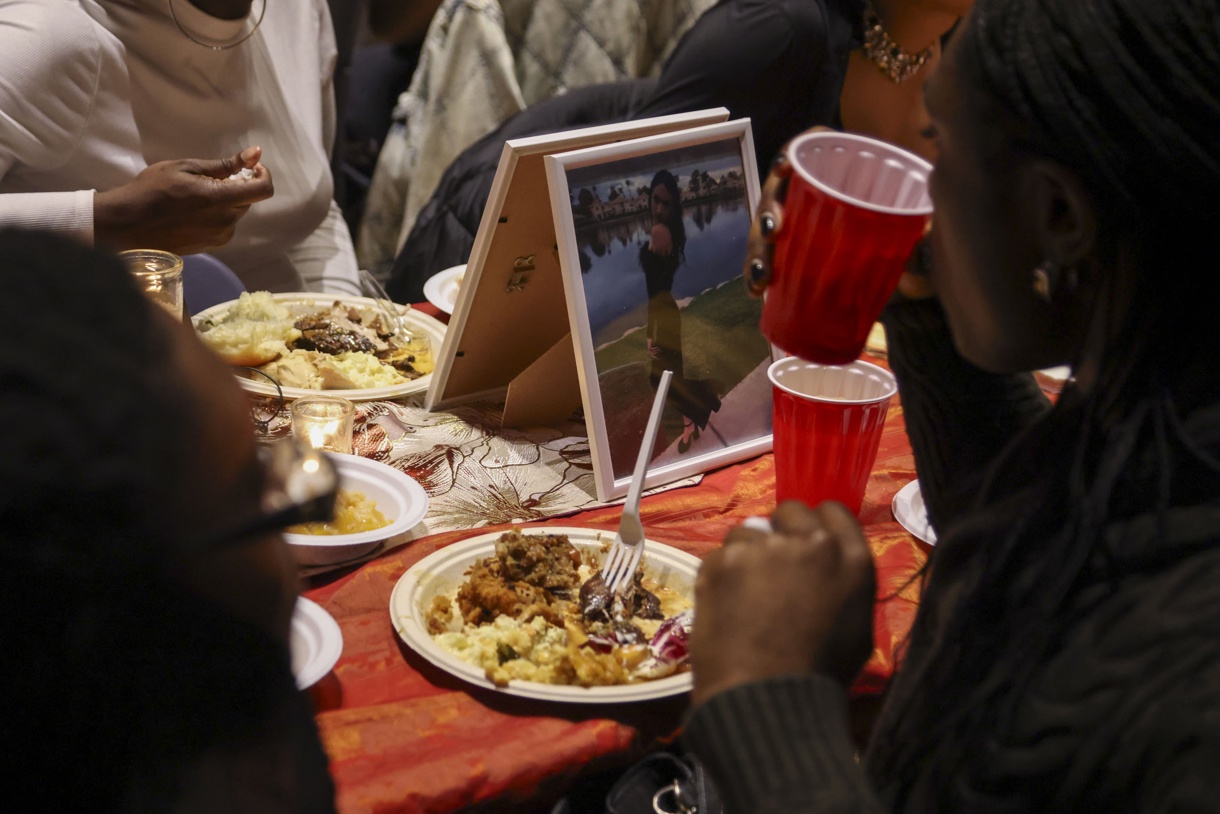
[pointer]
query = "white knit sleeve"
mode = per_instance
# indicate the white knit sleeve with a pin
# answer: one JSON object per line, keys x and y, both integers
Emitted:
{"x": 49, "y": 62}
{"x": 68, "y": 213}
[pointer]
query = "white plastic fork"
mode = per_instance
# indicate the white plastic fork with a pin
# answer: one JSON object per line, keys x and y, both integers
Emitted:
{"x": 390, "y": 314}
{"x": 628, "y": 545}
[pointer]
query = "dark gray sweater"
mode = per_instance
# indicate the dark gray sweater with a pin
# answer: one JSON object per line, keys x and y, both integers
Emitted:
{"x": 1122, "y": 713}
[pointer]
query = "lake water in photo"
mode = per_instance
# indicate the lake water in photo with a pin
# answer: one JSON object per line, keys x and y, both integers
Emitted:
{"x": 716, "y": 232}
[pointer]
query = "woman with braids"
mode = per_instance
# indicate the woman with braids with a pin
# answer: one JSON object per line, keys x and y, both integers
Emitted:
{"x": 146, "y": 650}
{"x": 1066, "y": 654}
{"x": 660, "y": 258}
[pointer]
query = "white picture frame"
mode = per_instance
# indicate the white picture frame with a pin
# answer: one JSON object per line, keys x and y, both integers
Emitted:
{"x": 672, "y": 298}
{"x": 508, "y": 336}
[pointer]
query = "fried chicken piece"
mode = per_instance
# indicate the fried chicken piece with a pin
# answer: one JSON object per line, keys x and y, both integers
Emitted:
{"x": 485, "y": 595}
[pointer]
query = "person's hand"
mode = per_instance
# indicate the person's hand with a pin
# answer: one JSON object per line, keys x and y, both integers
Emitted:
{"x": 182, "y": 206}
{"x": 654, "y": 350}
{"x": 915, "y": 284}
{"x": 796, "y": 600}
{"x": 661, "y": 241}
{"x": 760, "y": 246}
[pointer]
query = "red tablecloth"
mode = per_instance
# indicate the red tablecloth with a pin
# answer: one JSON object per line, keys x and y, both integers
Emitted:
{"x": 404, "y": 736}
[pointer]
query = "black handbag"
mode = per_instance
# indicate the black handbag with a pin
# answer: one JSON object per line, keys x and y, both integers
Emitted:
{"x": 664, "y": 783}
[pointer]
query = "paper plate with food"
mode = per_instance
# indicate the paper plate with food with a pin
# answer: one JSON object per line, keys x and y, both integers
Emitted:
{"x": 526, "y": 612}
{"x": 355, "y": 347}
{"x": 375, "y": 503}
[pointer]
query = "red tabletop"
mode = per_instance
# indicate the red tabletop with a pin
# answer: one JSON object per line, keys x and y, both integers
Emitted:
{"x": 404, "y": 736}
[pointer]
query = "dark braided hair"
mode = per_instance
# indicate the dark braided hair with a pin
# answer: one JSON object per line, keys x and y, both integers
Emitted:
{"x": 114, "y": 672}
{"x": 1126, "y": 94}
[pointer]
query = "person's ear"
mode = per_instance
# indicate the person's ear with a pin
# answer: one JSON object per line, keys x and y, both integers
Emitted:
{"x": 1063, "y": 215}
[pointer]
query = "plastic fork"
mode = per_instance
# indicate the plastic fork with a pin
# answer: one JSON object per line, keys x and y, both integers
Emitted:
{"x": 394, "y": 320}
{"x": 628, "y": 545}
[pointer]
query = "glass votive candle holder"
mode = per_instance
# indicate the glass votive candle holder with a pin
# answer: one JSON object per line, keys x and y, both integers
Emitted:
{"x": 159, "y": 275}
{"x": 323, "y": 422}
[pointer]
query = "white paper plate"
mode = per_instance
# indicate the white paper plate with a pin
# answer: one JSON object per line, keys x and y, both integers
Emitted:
{"x": 911, "y": 514}
{"x": 315, "y": 642}
{"x": 441, "y": 289}
{"x": 433, "y": 328}
{"x": 442, "y": 571}
{"x": 398, "y": 496}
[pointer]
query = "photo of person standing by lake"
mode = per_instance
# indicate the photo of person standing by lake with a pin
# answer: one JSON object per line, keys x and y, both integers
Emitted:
{"x": 660, "y": 257}
{"x": 660, "y": 239}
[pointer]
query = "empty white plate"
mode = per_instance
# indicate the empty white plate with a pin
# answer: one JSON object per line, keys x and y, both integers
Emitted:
{"x": 441, "y": 289}
{"x": 315, "y": 641}
{"x": 911, "y": 514}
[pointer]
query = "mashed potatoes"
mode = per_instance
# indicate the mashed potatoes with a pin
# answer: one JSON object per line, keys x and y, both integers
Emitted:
{"x": 364, "y": 371}
{"x": 255, "y": 331}
{"x": 509, "y": 649}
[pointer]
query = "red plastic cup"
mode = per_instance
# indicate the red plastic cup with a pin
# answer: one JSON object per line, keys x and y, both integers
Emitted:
{"x": 854, "y": 211}
{"x": 827, "y": 423}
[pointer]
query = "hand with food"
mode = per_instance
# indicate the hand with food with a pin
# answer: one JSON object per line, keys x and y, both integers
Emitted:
{"x": 795, "y": 600}
{"x": 183, "y": 206}
{"x": 760, "y": 246}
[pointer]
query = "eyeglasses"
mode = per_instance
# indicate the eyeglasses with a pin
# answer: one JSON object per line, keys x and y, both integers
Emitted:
{"x": 302, "y": 484}
{"x": 264, "y": 409}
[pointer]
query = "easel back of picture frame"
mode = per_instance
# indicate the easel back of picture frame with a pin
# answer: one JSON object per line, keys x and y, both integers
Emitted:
{"x": 509, "y": 336}
{"x": 557, "y": 167}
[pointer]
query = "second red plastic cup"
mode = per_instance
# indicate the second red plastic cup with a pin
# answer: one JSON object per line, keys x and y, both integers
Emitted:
{"x": 827, "y": 423}
{"x": 854, "y": 211}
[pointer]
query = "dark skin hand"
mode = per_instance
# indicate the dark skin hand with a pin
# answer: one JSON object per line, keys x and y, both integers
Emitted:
{"x": 768, "y": 225}
{"x": 183, "y": 206}
{"x": 794, "y": 601}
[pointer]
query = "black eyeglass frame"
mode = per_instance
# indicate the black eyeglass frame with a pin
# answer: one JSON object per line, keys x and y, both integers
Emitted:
{"x": 287, "y": 461}
{"x": 261, "y": 424}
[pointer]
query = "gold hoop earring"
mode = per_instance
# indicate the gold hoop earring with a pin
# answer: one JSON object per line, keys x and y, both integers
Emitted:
{"x": 1052, "y": 279}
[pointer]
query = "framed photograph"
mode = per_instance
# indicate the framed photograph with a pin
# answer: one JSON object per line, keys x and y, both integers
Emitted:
{"x": 651, "y": 238}
{"x": 509, "y": 337}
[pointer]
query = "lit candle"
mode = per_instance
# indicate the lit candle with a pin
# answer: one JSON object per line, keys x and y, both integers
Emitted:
{"x": 159, "y": 274}
{"x": 324, "y": 422}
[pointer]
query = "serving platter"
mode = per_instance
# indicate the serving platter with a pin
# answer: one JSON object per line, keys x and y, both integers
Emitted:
{"x": 911, "y": 514}
{"x": 443, "y": 571}
{"x": 398, "y": 496}
{"x": 441, "y": 289}
{"x": 304, "y": 302}
{"x": 315, "y": 641}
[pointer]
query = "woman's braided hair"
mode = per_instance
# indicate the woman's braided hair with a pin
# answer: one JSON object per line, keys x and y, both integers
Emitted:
{"x": 1126, "y": 94}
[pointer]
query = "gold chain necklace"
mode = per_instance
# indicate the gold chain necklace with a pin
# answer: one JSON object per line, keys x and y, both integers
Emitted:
{"x": 898, "y": 65}
{"x": 214, "y": 46}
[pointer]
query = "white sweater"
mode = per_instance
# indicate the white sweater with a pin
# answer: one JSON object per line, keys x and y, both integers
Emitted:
{"x": 187, "y": 101}
{"x": 66, "y": 126}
